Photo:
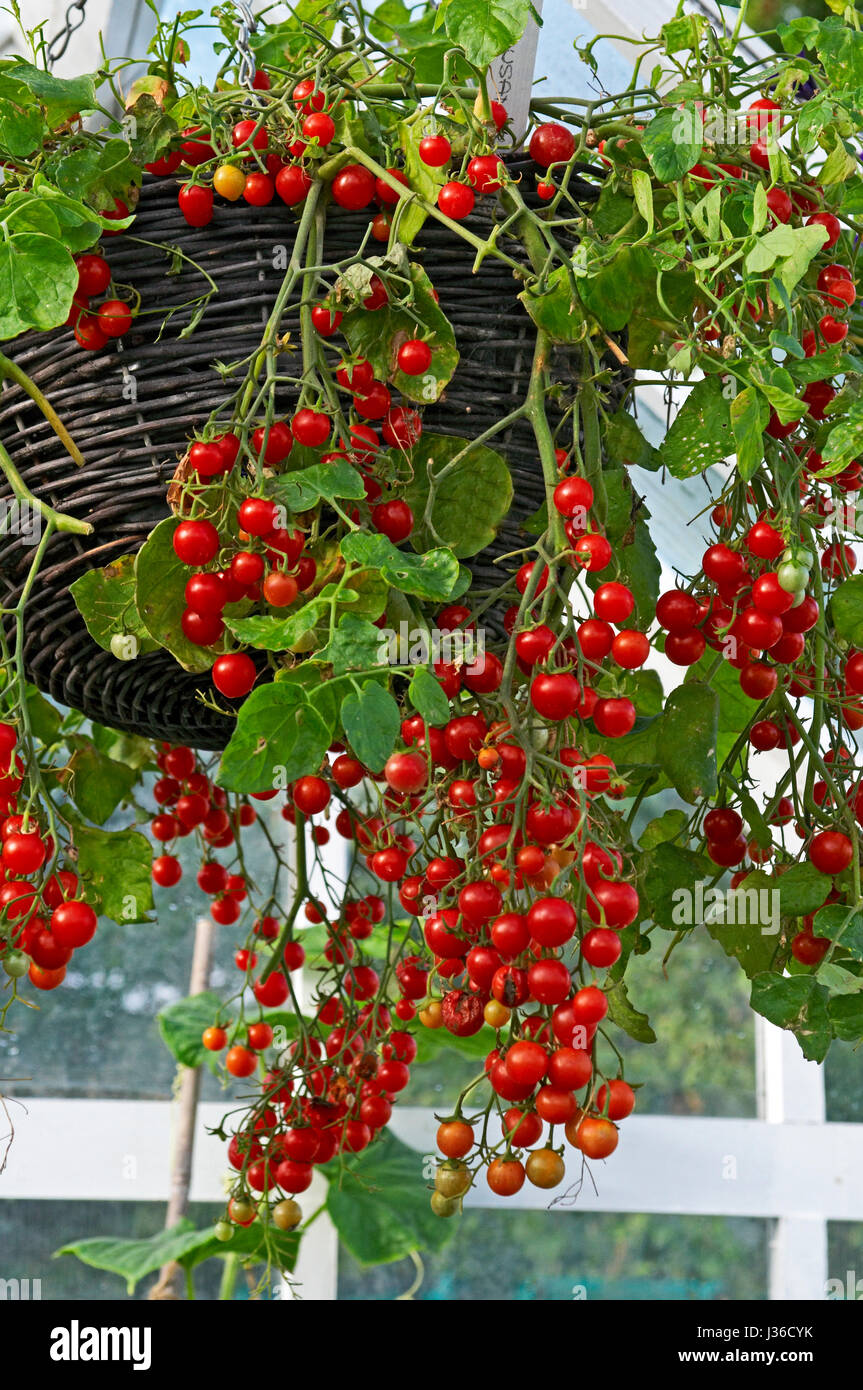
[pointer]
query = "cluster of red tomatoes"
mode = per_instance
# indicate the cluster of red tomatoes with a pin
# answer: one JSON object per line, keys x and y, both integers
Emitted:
{"x": 110, "y": 319}
{"x": 829, "y": 850}
{"x": 43, "y": 921}
{"x": 320, "y": 1099}
{"x": 331, "y": 1091}
{"x": 746, "y": 610}
{"x": 271, "y": 157}
{"x": 497, "y": 948}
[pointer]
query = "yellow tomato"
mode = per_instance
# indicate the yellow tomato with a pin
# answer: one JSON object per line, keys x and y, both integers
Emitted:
{"x": 496, "y": 1014}
{"x": 229, "y": 182}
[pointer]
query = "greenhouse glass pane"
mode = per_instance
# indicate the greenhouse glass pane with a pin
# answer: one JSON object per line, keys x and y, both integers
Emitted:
{"x": 845, "y": 1260}
{"x": 563, "y": 1256}
{"x": 843, "y": 1081}
{"x": 30, "y": 1233}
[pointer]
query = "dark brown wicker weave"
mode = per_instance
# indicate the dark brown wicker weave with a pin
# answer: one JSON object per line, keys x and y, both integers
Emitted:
{"x": 131, "y": 446}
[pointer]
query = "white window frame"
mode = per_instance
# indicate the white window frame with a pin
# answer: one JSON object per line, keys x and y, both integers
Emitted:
{"x": 788, "y": 1166}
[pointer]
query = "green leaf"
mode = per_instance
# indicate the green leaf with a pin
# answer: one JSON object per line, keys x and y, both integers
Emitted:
{"x": 620, "y": 1010}
{"x": 115, "y": 867}
{"x": 153, "y": 129}
{"x": 301, "y": 490}
{"x": 802, "y": 889}
{"x": 637, "y": 751}
{"x": 673, "y": 141}
{"x": 557, "y": 309}
{"x": 687, "y": 747}
{"x": 371, "y": 721}
{"x": 665, "y": 827}
{"x": 45, "y": 718}
{"x": 378, "y": 336}
{"x": 122, "y": 747}
{"x": 37, "y": 280}
{"x": 749, "y": 418}
{"x": 160, "y": 585}
{"x": 743, "y": 922}
{"x": 843, "y": 925}
{"x": 646, "y": 691}
{"x": 610, "y": 213}
{"x": 760, "y": 209}
{"x": 279, "y": 736}
{"x": 421, "y": 177}
{"x": 356, "y": 643}
{"x": 845, "y": 440}
{"x": 59, "y": 97}
{"x": 840, "y": 48}
{"x": 427, "y": 698}
{"x": 182, "y": 1023}
{"x": 683, "y": 33}
{"x": 642, "y": 189}
{"x": 74, "y": 224}
{"x": 114, "y": 174}
{"x": 700, "y": 433}
{"x": 846, "y": 1016}
{"x": 777, "y": 385}
{"x": 837, "y": 979}
{"x": 626, "y": 444}
{"x": 785, "y": 343}
{"x": 433, "y": 575}
{"x": 81, "y": 212}
{"x": 609, "y": 291}
{"x": 431, "y": 1042}
{"x": 273, "y": 634}
{"x": 21, "y": 125}
{"x": 97, "y": 784}
{"x": 486, "y": 28}
{"x": 640, "y": 569}
{"x": 379, "y": 1204}
{"x": 798, "y": 1003}
{"x": 469, "y": 503}
{"x": 668, "y": 876}
{"x": 790, "y": 249}
{"x": 105, "y": 598}
{"x": 133, "y": 1259}
{"x": 706, "y": 214}
{"x": 846, "y": 609}
{"x": 839, "y": 165}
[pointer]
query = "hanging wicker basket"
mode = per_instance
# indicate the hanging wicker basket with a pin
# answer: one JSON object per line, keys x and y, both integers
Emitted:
{"x": 133, "y": 407}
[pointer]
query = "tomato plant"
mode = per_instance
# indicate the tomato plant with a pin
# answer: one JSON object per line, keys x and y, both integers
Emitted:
{"x": 494, "y": 777}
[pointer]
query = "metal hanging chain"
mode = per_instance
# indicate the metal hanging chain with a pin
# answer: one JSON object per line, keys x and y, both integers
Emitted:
{"x": 247, "y": 27}
{"x": 74, "y": 19}
{"x": 75, "y": 16}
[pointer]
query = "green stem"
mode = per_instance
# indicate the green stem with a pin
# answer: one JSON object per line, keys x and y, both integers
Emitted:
{"x": 10, "y": 371}
{"x": 59, "y": 521}
{"x": 228, "y": 1281}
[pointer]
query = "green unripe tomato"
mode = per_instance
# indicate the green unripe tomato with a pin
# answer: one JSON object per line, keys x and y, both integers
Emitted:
{"x": 223, "y": 1230}
{"x": 444, "y": 1206}
{"x": 792, "y": 577}
{"x": 799, "y": 556}
{"x": 15, "y": 963}
{"x": 124, "y": 646}
{"x": 287, "y": 1215}
{"x": 452, "y": 1180}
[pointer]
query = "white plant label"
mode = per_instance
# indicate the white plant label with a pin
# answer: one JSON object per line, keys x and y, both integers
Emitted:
{"x": 511, "y": 76}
